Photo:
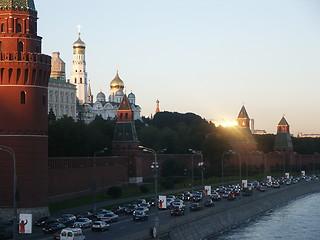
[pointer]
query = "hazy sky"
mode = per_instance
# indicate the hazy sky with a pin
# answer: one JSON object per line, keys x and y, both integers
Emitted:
{"x": 204, "y": 56}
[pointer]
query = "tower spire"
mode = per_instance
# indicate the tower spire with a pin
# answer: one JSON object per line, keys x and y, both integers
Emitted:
{"x": 157, "y": 106}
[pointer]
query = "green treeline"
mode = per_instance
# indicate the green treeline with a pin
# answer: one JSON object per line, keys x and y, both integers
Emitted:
{"x": 175, "y": 132}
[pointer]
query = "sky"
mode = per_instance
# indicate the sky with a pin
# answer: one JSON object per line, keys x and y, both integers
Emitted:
{"x": 209, "y": 57}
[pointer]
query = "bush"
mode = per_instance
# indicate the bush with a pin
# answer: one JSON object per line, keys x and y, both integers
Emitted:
{"x": 114, "y": 191}
{"x": 144, "y": 189}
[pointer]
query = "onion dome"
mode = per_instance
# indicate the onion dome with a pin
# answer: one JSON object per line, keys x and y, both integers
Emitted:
{"x": 101, "y": 97}
{"x": 119, "y": 93}
{"x": 117, "y": 83}
{"x": 131, "y": 95}
{"x": 79, "y": 43}
{"x": 23, "y": 5}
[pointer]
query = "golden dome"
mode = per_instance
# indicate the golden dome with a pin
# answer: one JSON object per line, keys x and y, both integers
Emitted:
{"x": 79, "y": 43}
{"x": 117, "y": 83}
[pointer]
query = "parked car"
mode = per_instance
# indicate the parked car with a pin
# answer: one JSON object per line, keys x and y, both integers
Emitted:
{"x": 208, "y": 203}
{"x": 177, "y": 212}
{"x": 195, "y": 207}
{"x": 72, "y": 234}
{"x": 139, "y": 215}
{"x": 45, "y": 221}
{"x": 109, "y": 217}
{"x": 82, "y": 223}
{"x": 53, "y": 227}
{"x": 99, "y": 226}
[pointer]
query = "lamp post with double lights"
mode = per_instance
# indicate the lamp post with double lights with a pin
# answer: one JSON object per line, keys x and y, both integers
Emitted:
{"x": 200, "y": 164}
{"x": 13, "y": 155}
{"x": 155, "y": 167}
{"x": 95, "y": 177}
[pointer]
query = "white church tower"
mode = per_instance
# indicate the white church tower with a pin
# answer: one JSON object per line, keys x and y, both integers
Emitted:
{"x": 79, "y": 74}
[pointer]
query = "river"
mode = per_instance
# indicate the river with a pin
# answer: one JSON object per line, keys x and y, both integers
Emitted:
{"x": 297, "y": 220}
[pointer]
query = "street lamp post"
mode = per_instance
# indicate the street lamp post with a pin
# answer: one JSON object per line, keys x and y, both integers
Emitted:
{"x": 95, "y": 177}
{"x": 155, "y": 167}
{"x": 200, "y": 164}
{"x": 13, "y": 155}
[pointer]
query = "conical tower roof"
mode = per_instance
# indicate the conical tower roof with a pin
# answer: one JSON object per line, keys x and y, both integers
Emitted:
{"x": 125, "y": 106}
{"x": 22, "y": 5}
{"x": 283, "y": 122}
{"x": 243, "y": 113}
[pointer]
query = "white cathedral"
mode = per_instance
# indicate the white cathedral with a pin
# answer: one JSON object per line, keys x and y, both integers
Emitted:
{"x": 74, "y": 97}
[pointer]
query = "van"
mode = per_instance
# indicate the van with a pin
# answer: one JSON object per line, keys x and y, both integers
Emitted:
{"x": 72, "y": 234}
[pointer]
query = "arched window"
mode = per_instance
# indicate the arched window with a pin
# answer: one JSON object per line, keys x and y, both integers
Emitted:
{"x": 121, "y": 115}
{"x": 75, "y": 80}
{"x": 26, "y": 75}
{"x": 19, "y": 28}
{"x": 127, "y": 115}
{"x": 10, "y": 74}
{"x": 20, "y": 50}
{"x": 0, "y": 46}
{"x": 18, "y": 74}
{"x": 23, "y": 97}
{"x": 2, "y": 27}
{"x": 80, "y": 80}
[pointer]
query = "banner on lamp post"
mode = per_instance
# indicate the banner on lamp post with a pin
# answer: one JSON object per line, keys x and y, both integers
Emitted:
{"x": 303, "y": 173}
{"x": 287, "y": 175}
{"x": 207, "y": 190}
{"x": 269, "y": 179}
{"x": 25, "y": 223}
{"x": 162, "y": 202}
{"x": 244, "y": 183}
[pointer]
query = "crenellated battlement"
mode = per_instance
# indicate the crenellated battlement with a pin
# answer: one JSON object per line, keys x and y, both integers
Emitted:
{"x": 25, "y": 57}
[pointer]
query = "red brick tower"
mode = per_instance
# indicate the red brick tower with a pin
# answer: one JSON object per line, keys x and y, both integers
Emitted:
{"x": 24, "y": 76}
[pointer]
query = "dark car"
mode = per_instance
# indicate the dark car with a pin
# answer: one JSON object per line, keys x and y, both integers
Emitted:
{"x": 53, "y": 227}
{"x": 177, "y": 212}
{"x": 262, "y": 189}
{"x": 152, "y": 202}
{"x": 195, "y": 207}
{"x": 129, "y": 209}
{"x": 208, "y": 203}
{"x": 85, "y": 215}
{"x": 117, "y": 209}
{"x": 216, "y": 197}
{"x": 45, "y": 221}
{"x": 139, "y": 215}
{"x": 231, "y": 196}
{"x": 67, "y": 219}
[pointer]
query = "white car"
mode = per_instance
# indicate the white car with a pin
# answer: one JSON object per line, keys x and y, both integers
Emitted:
{"x": 99, "y": 226}
{"x": 109, "y": 217}
{"x": 82, "y": 223}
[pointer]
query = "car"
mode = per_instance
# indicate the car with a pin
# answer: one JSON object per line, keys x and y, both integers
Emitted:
{"x": 82, "y": 223}
{"x": 56, "y": 235}
{"x": 45, "y": 221}
{"x": 208, "y": 203}
{"x": 99, "y": 212}
{"x": 147, "y": 205}
{"x": 178, "y": 204}
{"x": 67, "y": 219}
{"x": 109, "y": 217}
{"x": 143, "y": 209}
{"x": 99, "y": 226}
{"x": 85, "y": 215}
{"x": 231, "y": 196}
{"x": 140, "y": 215}
{"x": 129, "y": 209}
{"x": 139, "y": 201}
{"x": 72, "y": 234}
{"x": 225, "y": 194}
{"x": 152, "y": 202}
{"x": 262, "y": 189}
{"x": 275, "y": 185}
{"x": 195, "y": 207}
{"x": 177, "y": 212}
{"x": 117, "y": 209}
{"x": 53, "y": 227}
{"x": 215, "y": 197}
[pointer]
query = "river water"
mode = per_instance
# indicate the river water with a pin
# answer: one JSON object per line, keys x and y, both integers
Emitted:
{"x": 298, "y": 220}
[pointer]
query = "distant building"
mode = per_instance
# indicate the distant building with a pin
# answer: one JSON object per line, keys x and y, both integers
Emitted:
{"x": 308, "y": 135}
{"x": 283, "y": 140}
{"x": 61, "y": 93}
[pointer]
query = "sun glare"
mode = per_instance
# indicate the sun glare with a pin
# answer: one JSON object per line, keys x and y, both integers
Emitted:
{"x": 224, "y": 123}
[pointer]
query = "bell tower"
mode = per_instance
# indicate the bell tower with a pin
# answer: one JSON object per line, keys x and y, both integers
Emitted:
{"x": 24, "y": 76}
